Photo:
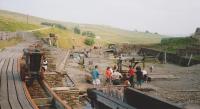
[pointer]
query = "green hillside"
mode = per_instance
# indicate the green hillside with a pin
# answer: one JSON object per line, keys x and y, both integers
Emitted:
{"x": 107, "y": 34}
{"x": 10, "y": 24}
{"x": 172, "y": 44}
{"x": 116, "y": 35}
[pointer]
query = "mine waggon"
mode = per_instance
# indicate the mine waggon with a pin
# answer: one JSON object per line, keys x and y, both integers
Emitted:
{"x": 31, "y": 65}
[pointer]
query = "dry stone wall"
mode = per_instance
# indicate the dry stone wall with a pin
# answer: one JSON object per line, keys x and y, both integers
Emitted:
{"x": 8, "y": 35}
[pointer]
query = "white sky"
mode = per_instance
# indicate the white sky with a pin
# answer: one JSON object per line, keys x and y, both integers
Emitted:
{"x": 162, "y": 16}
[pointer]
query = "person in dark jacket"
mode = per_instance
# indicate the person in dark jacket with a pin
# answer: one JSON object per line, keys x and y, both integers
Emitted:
{"x": 139, "y": 76}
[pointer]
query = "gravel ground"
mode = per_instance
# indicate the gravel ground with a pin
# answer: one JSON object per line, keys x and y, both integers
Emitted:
{"x": 184, "y": 90}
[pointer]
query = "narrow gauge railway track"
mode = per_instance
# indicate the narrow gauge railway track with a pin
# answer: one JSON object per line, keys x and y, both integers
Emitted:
{"x": 14, "y": 94}
{"x": 32, "y": 73}
{"x": 43, "y": 96}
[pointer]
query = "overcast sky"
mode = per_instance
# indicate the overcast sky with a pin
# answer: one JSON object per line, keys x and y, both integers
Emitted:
{"x": 162, "y": 16}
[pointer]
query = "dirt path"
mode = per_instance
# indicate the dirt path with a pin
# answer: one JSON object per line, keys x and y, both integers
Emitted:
{"x": 28, "y": 39}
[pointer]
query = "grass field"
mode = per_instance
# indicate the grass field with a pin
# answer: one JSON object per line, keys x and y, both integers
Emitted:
{"x": 66, "y": 38}
{"x": 9, "y": 24}
{"x": 10, "y": 42}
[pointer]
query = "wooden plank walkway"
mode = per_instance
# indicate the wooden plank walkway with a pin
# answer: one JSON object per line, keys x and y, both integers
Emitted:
{"x": 12, "y": 92}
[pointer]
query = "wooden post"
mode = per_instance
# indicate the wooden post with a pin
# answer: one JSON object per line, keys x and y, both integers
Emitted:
{"x": 144, "y": 62}
{"x": 165, "y": 57}
{"x": 190, "y": 60}
{"x": 50, "y": 41}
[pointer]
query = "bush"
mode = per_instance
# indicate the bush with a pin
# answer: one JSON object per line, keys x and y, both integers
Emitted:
{"x": 54, "y": 24}
{"x": 77, "y": 30}
{"x": 89, "y": 41}
{"x": 89, "y": 34}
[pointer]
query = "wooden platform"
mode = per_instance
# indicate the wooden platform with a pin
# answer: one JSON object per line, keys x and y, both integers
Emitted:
{"x": 12, "y": 91}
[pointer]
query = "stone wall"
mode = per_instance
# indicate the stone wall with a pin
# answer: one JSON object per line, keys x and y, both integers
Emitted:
{"x": 171, "y": 58}
{"x": 188, "y": 51}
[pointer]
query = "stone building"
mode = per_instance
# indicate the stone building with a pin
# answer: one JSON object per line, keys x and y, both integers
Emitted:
{"x": 197, "y": 33}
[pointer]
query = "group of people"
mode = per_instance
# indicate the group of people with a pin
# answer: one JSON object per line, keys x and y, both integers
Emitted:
{"x": 113, "y": 76}
{"x": 136, "y": 76}
{"x": 133, "y": 76}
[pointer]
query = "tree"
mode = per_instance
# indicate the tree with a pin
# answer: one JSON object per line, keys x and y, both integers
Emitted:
{"x": 155, "y": 33}
{"x": 89, "y": 41}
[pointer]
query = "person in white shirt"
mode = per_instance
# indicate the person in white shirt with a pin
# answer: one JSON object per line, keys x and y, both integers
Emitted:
{"x": 116, "y": 78}
{"x": 44, "y": 64}
{"x": 145, "y": 77}
{"x": 111, "y": 70}
{"x": 151, "y": 68}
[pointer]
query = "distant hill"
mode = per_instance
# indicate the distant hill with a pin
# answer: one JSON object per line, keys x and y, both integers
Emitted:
{"x": 106, "y": 34}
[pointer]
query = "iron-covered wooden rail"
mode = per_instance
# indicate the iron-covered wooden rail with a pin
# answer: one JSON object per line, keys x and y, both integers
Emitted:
{"x": 133, "y": 99}
{"x": 100, "y": 100}
{"x": 140, "y": 100}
